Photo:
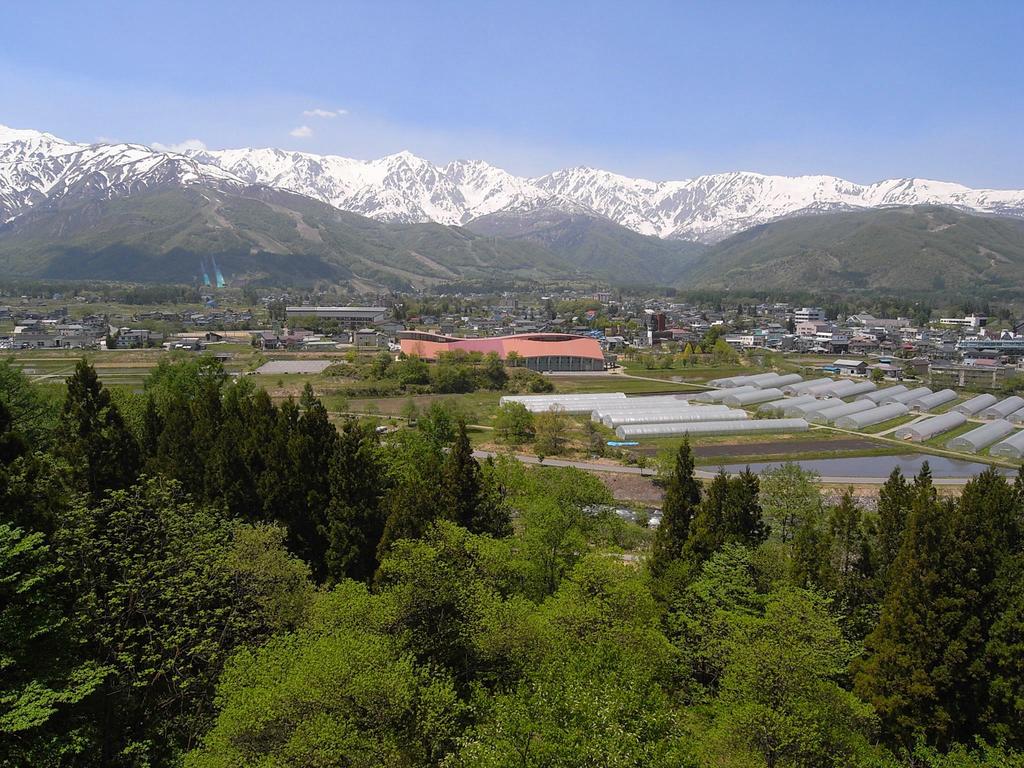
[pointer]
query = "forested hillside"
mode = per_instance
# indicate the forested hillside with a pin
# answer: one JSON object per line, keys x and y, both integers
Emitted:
{"x": 195, "y": 575}
{"x": 909, "y": 249}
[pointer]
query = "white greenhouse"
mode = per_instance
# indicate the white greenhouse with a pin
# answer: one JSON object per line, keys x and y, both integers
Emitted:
{"x": 804, "y": 409}
{"x": 934, "y": 400}
{"x": 1003, "y": 408}
{"x": 739, "y": 381}
{"x": 642, "y": 403}
{"x": 570, "y": 408}
{"x": 829, "y": 415}
{"x": 777, "y": 406}
{"x": 920, "y": 431}
{"x": 821, "y": 389}
{"x": 805, "y": 386}
{"x": 1017, "y": 417}
{"x": 565, "y": 403}
{"x": 880, "y": 394}
{"x": 975, "y": 404}
{"x": 875, "y": 416}
{"x": 783, "y": 380}
{"x": 753, "y": 398}
{"x": 526, "y": 399}
{"x": 605, "y": 412}
{"x": 718, "y": 395}
{"x": 1011, "y": 448}
{"x": 671, "y": 417}
{"x": 610, "y": 415}
{"x": 982, "y": 437}
{"x": 753, "y": 426}
{"x": 848, "y": 388}
{"x": 905, "y": 397}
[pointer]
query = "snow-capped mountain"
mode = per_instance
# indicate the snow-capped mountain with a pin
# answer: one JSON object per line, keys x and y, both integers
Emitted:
{"x": 709, "y": 208}
{"x": 38, "y": 167}
{"x": 406, "y": 188}
{"x": 399, "y": 188}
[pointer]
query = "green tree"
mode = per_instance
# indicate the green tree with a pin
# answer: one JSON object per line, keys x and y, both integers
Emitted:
{"x": 553, "y": 539}
{"x": 985, "y": 532}
{"x": 44, "y": 673}
{"x": 551, "y": 429}
{"x": 926, "y": 668}
{"x": 682, "y": 495}
{"x": 780, "y": 702}
{"x": 354, "y": 520}
{"x": 513, "y": 424}
{"x": 914, "y": 629}
{"x": 722, "y": 353}
{"x": 789, "y": 498}
{"x": 493, "y": 371}
{"x": 33, "y": 415}
{"x": 894, "y": 501}
{"x": 1004, "y": 655}
{"x": 162, "y": 608}
{"x": 312, "y": 444}
{"x": 594, "y": 686}
{"x": 341, "y": 691}
{"x": 93, "y": 438}
{"x": 728, "y": 513}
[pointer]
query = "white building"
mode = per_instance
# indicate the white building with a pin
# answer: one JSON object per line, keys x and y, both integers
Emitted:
{"x": 809, "y": 315}
{"x": 970, "y": 321}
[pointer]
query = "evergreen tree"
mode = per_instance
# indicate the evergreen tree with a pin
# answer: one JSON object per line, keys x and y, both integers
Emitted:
{"x": 101, "y": 451}
{"x": 461, "y": 486}
{"x": 845, "y": 524}
{"x": 228, "y": 475}
{"x": 894, "y": 501}
{"x": 12, "y": 445}
{"x": 984, "y": 532}
{"x": 682, "y": 495}
{"x": 278, "y": 484}
{"x": 729, "y": 514}
{"x": 810, "y": 564}
{"x": 311, "y": 448}
{"x": 465, "y": 495}
{"x": 853, "y": 566}
{"x": 353, "y": 523}
{"x": 914, "y": 629}
{"x": 152, "y": 426}
{"x": 1004, "y": 656}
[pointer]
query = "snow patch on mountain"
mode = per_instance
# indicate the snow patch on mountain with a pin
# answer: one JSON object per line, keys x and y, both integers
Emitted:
{"x": 38, "y": 167}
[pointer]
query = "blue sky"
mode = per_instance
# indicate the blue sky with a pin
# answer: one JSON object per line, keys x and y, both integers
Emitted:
{"x": 864, "y": 90}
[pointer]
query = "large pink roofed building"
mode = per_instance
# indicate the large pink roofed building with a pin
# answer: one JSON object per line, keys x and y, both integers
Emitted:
{"x": 537, "y": 351}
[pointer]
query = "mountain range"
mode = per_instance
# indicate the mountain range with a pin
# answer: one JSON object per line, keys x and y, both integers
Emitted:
{"x": 85, "y": 209}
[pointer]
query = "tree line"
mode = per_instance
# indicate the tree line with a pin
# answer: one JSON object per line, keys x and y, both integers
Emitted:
{"x": 196, "y": 575}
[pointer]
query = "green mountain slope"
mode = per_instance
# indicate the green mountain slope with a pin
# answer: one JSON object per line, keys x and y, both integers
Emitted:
{"x": 921, "y": 248}
{"x": 595, "y": 244}
{"x": 258, "y": 234}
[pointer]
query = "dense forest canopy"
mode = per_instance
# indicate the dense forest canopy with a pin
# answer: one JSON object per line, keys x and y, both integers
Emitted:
{"x": 195, "y": 575}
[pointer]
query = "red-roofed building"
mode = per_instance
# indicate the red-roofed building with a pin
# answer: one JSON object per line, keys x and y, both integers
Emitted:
{"x": 536, "y": 351}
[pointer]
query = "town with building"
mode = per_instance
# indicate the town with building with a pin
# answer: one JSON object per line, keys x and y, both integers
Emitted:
{"x": 570, "y": 330}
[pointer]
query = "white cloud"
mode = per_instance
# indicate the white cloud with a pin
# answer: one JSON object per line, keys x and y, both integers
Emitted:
{"x": 302, "y": 132}
{"x": 182, "y": 146}
{"x": 326, "y": 113}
